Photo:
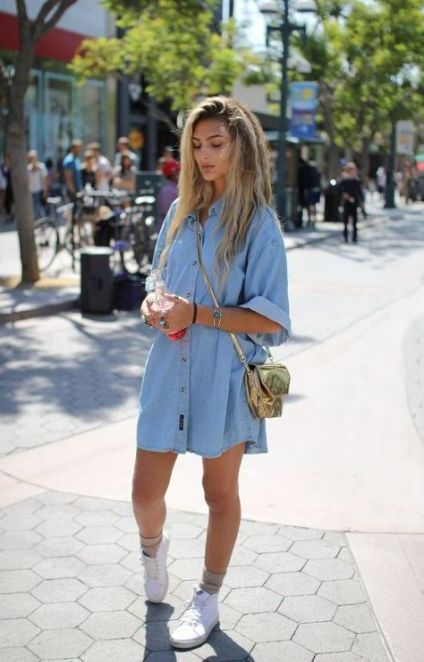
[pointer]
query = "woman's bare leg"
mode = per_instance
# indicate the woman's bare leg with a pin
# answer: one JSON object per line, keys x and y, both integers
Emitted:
{"x": 152, "y": 473}
{"x": 220, "y": 483}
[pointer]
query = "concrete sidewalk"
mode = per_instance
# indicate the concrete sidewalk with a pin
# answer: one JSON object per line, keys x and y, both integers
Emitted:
{"x": 329, "y": 563}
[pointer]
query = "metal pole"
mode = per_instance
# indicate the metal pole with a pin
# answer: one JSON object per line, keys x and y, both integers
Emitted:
{"x": 282, "y": 133}
{"x": 390, "y": 183}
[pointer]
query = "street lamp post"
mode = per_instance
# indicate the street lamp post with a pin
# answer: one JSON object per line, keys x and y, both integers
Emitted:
{"x": 285, "y": 29}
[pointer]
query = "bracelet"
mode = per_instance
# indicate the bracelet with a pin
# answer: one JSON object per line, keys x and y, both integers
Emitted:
{"x": 216, "y": 316}
{"x": 193, "y": 321}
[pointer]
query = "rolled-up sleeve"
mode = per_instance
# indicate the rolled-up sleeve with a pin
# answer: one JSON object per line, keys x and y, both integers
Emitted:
{"x": 265, "y": 287}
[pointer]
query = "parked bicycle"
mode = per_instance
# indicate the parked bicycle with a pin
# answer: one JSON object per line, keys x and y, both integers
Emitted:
{"x": 48, "y": 235}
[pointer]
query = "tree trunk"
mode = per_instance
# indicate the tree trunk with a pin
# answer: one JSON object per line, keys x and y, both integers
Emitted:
{"x": 17, "y": 148}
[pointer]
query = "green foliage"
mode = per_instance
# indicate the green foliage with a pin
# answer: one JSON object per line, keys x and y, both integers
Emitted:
{"x": 368, "y": 58}
{"x": 171, "y": 42}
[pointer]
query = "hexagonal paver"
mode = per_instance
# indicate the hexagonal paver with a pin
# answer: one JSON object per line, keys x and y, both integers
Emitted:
{"x": 97, "y": 518}
{"x": 18, "y": 559}
{"x": 129, "y": 541}
{"x": 17, "y": 605}
{"x": 59, "y": 615}
{"x": 338, "y": 657}
{"x": 57, "y": 528}
{"x": 337, "y": 537}
{"x": 280, "y": 651}
{"x": 108, "y": 574}
{"x": 342, "y": 592}
{"x": 266, "y": 627}
{"x": 55, "y": 498}
{"x": 279, "y": 562}
{"x": 268, "y": 543}
{"x": 127, "y": 524}
{"x": 292, "y": 583}
{"x": 300, "y": 533}
{"x": 93, "y": 535}
{"x": 65, "y": 546}
{"x": 97, "y": 554}
{"x": 110, "y": 598}
{"x": 57, "y": 568}
{"x": 315, "y": 549}
{"x": 132, "y": 561}
{"x": 112, "y": 651}
{"x": 18, "y": 581}
{"x": 71, "y": 643}
{"x": 357, "y": 618}
{"x": 111, "y": 625}
{"x": 187, "y": 549}
{"x": 19, "y": 523}
{"x": 186, "y": 569}
{"x": 253, "y": 600}
{"x": 242, "y": 556}
{"x": 251, "y": 528}
{"x": 178, "y": 531}
{"x": 326, "y": 569}
{"x": 59, "y": 590}
{"x": 308, "y": 609}
{"x": 17, "y": 655}
{"x": 323, "y": 637}
{"x": 370, "y": 647}
{"x": 245, "y": 576}
{"x": 17, "y": 632}
{"x": 91, "y": 503}
{"x": 19, "y": 540}
{"x": 167, "y": 611}
{"x": 57, "y": 512}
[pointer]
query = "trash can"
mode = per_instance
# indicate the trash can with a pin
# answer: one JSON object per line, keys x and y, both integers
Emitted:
{"x": 331, "y": 202}
{"x": 96, "y": 280}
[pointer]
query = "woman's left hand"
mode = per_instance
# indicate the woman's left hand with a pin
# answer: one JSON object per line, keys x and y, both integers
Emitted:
{"x": 180, "y": 315}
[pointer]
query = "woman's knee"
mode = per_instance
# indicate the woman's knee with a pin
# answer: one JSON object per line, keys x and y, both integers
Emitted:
{"x": 220, "y": 496}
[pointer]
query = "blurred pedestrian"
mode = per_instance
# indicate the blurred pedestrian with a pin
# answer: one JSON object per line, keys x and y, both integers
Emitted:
{"x": 381, "y": 179}
{"x": 124, "y": 174}
{"x": 167, "y": 156}
{"x": 38, "y": 183}
{"x": 104, "y": 170}
{"x": 309, "y": 190}
{"x": 88, "y": 170}
{"x": 8, "y": 190}
{"x": 123, "y": 145}
{"x": 352, "y": 197}
{"x": 193, "y": 396}
{"x": 169, "y": 191}
{"x": 72, "y": 169}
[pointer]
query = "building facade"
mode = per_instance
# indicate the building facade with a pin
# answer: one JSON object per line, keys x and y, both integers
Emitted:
{"x": 57, "y": 110}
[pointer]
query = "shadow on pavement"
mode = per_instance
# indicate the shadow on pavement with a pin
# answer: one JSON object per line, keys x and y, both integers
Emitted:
{"x": 157, "y": 632}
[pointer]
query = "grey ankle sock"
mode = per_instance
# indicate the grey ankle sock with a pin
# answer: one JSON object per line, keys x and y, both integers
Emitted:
{"x": 150, "y": 546}
{"x": 211, "y": 581}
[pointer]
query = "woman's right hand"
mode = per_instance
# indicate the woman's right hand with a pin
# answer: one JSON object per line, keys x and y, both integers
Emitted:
{"x": 149, "y": 316}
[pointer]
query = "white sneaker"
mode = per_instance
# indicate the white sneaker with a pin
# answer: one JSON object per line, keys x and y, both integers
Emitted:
{"x": 156, "y": 578}
{"x": 198, "y": 620}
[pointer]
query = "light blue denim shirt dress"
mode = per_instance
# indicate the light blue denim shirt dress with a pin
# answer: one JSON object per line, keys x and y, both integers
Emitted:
{"x": 192, "y": 394}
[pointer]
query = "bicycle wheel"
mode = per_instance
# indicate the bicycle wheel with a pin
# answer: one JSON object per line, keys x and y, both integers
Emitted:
{"x": 46, "y": 242}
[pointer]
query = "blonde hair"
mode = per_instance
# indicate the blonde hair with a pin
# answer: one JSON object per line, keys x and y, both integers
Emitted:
{"x": 248, "y": 180}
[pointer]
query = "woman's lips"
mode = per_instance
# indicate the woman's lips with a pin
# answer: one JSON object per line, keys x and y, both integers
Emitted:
{"x": 207, "y": 168}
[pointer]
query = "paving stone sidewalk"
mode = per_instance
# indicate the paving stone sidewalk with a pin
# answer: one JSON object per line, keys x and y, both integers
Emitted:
{"x": 70, "y": 586}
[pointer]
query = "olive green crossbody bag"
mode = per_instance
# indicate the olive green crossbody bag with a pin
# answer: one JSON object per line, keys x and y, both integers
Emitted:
{"x": 266, "y": 384}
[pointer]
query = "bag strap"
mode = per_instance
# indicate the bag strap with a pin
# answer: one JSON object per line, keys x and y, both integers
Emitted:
{"x": 213, "y": 297}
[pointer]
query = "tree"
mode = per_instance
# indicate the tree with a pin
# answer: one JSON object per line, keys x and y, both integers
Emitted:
{"x": 175, "y": 47}
{"x": 30, "y": 32}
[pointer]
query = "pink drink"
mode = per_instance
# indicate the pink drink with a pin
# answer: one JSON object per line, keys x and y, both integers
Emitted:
{"x": 162, "y": 304}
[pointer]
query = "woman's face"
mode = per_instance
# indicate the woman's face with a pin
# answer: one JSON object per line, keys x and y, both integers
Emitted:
{"x": 212, "y": 150}
{"x": 126, "y": 162}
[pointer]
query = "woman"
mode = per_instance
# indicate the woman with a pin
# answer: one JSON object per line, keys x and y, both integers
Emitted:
{"x": 124, "y": 174}
{"x": 193, "y": 396}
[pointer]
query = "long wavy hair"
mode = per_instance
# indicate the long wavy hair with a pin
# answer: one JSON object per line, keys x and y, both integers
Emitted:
{"x": 248, "y": 180}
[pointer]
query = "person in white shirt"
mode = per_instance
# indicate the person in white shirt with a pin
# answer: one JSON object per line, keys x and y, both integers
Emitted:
{"x": 104, "y": 170}
{"x": 38, "y": 184}
{"x": 123, "y": 145}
